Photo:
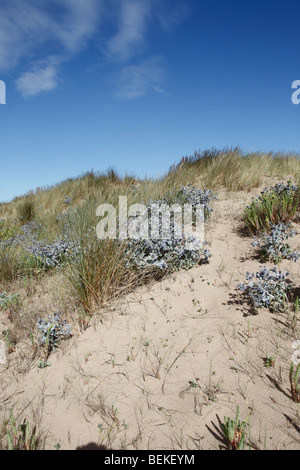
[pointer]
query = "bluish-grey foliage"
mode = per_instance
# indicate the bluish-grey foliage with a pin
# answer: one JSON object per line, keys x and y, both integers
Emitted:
{"x": 29, "y": 233}
{"x": 51, "y": 255}
{"x": 179, "y": 250}
{"x": 52, "y": 331}
{"x": 6, "y": 300}
{"x": 174, "y": 252}
{"x": 191, "y": 195}
{"x": 267, "y": 288}
{"x": 280, "y": 190}
{"x": 48, "y": 254}
{"x": 167, "y": 254}
{"x": 68, "y": 200}
{"x": 273, "y": 247}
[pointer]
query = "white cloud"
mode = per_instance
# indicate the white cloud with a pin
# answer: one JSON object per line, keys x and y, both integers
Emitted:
{"x": 37, "y": 81}
{"x": 137, "y": 80}
{"x": 133, "y": 18}
{"x": 80, "y": 22}
{"x": 41, "y": 35}
{"x": 28, "y": 28}
{"x": 26, "y": 25}
{"x": 131, "y": 29}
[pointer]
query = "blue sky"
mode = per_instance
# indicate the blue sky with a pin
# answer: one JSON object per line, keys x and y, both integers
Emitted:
{"x": 137, "y": 84}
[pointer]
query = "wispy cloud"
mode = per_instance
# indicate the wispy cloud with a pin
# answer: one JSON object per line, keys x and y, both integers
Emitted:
{"x": 134, "y": 19}
{"x": 131, "y": 24}
{"x": 137, "y": 80}
{"x": 170, "y": 13}
{"x": 41, "y": 79}
{"x": 28, "y": 28}
{"x": 39, "y": 36}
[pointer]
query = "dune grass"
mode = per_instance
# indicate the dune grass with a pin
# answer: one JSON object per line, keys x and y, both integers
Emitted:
{"x": 280, "y": 203}
{"x": 230, "y": 169}
{"x": 98, "y": 272}
{"x": 236, "y": 171}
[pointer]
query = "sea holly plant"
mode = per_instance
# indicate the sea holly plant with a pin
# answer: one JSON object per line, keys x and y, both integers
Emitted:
{"x": 51, "y": 332}
{"x": 273, "y": 247}
{"x": 167, "y": 254}
{"x": 191, "y": 195}
{"x": 178, "y": 250}
{"x": 234, "y": 431}
{"x": 46, "y": 255}
{"x": 51, "y": 255}
{"x": 267, "y": 288}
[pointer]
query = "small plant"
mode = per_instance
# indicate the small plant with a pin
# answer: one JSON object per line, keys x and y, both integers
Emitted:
{"x": 8, "y": 232}
{"x": 234, "y": 431}
{"x": 193, "y": 384}
{"x": 9, "y": 301}
{"x": 21, "y": 437}
{"x": 296, "y": 305}
{"x": 295, "y": 313}
{"x": 43, "y": 364}
{"x": 279, "y": 203}
{"x": 269, "y": 361}
{"x": 294, "y": 382}
{"x": 33, "y": 344}
{"x": 273, "y": 248}
{"x": 84, "y": 320}
{"x": 10, "y": 344}
{"x": 269, "y": 289}
{"x": 68, "y": 201}
{"x": 100, "y": 427}
{"x": 51, "y": 332}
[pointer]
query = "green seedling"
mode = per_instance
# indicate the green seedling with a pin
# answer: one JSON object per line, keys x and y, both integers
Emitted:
{"x": 234, "y": 431}
{"x": 296, "y": 311}
{"x": 269, "y": 361}
{"x": 21, "y": 437}
{"x": 294, "y": 382}
{"x": 10, "y": 345}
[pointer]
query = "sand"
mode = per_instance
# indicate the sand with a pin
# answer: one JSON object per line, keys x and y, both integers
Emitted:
{"x": 160, "y": 368}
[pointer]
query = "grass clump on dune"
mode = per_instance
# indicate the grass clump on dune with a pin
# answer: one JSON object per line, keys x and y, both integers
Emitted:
{"x": 278, "y": 204}
{"x": 26, "y": 210}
